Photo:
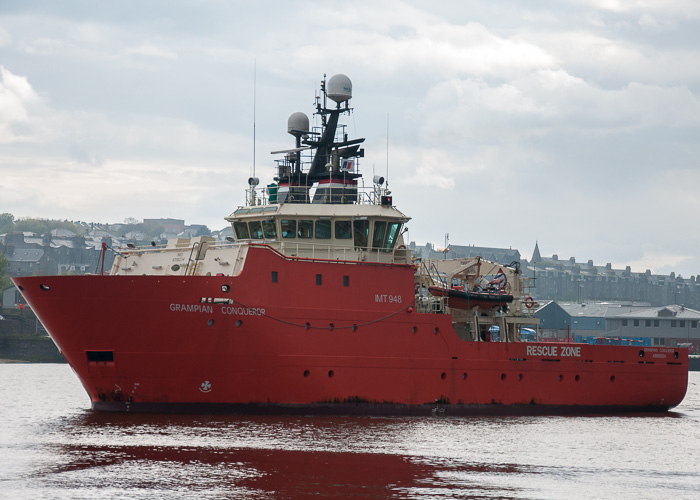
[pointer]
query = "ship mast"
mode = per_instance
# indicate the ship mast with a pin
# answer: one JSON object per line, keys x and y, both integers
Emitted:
{"x": 333, "y": 165}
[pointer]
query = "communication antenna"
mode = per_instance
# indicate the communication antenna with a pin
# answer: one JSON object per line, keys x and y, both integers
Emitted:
{"x": 255, "y": 86}
{"x": 387, "y": 150}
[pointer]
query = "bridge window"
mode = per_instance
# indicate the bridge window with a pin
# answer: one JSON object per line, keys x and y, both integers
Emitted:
{"x": 241, "y": 229}
{"x": 305, "y": 229}
{"x": 256, "y": 232}
{"x": 343, "y": 230}
{"x": 378, "y": 237}
{"x": 289, "y": 228}
{"x": 391, "y": 233}
{"x": 269, "y": 229}
{"x": 323, "y": 229}
{"x": 361, "y": 233}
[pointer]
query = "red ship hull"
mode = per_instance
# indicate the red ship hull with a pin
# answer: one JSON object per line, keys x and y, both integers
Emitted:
{"x": 294, "y": 335}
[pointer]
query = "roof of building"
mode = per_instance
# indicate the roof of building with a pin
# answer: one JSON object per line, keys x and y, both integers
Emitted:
{"x": 62, "y": 233}
{"x": 672, "y": 311}
{"x": 601, "y": 309}
{"x": 25, "y": 255}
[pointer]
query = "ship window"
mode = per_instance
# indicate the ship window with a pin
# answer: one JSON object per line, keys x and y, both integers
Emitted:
{"x": 256, "y": 210}
{"x": 361, "y": 233}
{"x": 255, "y": 230}
{"x": 241, "y": 230}
{"x": 241, "y": 211}
{"x": 323, "y": 229}
{"x": 274, "y": 276}
{"x": 305, "y": 229}
{"x": 378, "y": 237}
{"x": 269, "y": 229}
{"x": 318, "y": 279}
{"x": 391, "y": 234}
{"x": 343, "y": 230}
{"x": 346, "y": 280}
{"x": 269, "y": 209}
{"x": 289, "y": 228}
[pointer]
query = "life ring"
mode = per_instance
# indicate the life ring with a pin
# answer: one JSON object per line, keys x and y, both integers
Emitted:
{"x": 529, "y": 302}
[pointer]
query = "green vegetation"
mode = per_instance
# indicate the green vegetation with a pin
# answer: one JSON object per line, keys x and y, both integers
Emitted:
{"x": 6, "y": 221}
{"x": 4, "y": 279}
{"x": 8, "y": 224}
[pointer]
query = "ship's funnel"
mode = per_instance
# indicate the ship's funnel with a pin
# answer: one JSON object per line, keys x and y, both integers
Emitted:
{"x": 339, "y": 88}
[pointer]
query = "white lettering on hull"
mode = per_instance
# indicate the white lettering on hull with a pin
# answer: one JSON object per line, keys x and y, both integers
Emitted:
{"x": 228, "y": 310}
{"x": 191, "y": 308}
{"x": 388, "y": 298}
{"x": 554, "y": 351}
{"x": 243, "y": 311}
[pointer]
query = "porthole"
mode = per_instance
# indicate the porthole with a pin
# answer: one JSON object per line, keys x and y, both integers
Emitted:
{"x": 443, "y": 375}
{"x": 503, "y": 376}
{"x": 225, "y": 288}
{"x": 330, "y": 373}
{"x": 436, "y": 330}
{"x": 577, "y": 378}
{"x": 44, "y": 287}
{"x": 561, "y": 378}
{"x": 354, "y": 328}
{"x": 238, "y": 323}
{"x": 306, "y": 373}
{"x": 464, "y": 376}
{"x": 307, "y": 326}
{"x": 175, "y": 267}
{"x": 520, "y": 376}
{"x": 641, "y": 353}
{"x": 331, "y": 326}
{"x": 210, "y": 322}
{"x": 612, "y": 378}
{"x": 414, "y": 330}
{"x": 675, "y": 354}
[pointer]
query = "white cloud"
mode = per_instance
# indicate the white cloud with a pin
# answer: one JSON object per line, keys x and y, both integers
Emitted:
{"x": 557, "y": 118}
{"x": 149, "y": 50}
{"x": 17, "y": 99}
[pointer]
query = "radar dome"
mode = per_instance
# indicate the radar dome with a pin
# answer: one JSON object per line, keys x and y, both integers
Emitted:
{"x": 339, "y": 88}
{"x": 298, "y": 124}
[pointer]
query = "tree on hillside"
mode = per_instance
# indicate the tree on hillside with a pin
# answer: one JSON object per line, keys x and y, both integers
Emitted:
{"x": 4, "y": 279}
{"x": 6, "y": 220}
{"x": 42, "y": 226}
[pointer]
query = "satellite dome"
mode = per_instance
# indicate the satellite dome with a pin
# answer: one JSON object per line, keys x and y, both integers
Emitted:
{"x": 298, "y": 124}
{"x": 339, "y": 88}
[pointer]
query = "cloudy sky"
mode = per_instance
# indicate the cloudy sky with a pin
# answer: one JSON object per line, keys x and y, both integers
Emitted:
{"x": 573, "y": 123}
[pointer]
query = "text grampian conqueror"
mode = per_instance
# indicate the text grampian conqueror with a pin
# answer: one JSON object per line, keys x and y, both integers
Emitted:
{"x": 231, "y": 310}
